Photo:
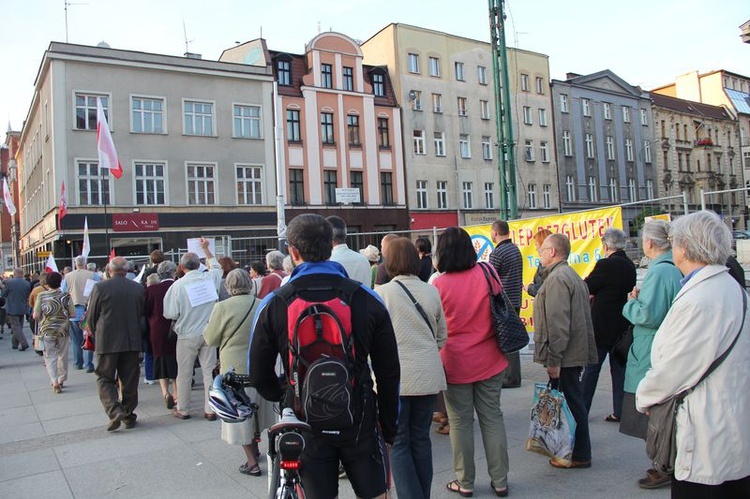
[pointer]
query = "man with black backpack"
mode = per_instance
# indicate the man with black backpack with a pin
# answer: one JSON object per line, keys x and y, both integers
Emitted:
{"x": 326, "y": 327}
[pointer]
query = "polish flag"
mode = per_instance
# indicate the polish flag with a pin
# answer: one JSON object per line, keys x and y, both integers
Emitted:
{"x": 8, "y": 198}
{"x": 86, "y": 244}
{"x": 104, "y": 144}
{"x": 62, "y": 209}
{"x": 50, "y": 266}
{"x": 111, "y": 255}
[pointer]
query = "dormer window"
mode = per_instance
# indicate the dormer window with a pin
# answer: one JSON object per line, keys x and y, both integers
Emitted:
{"x": 378, "y": 84}
{"x": 284, "y": 72}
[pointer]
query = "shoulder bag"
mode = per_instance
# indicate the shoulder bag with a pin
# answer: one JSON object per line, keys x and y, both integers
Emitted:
{"x": 511, "y": 332}
{"x": 661, "y": 442}
{"x": 418, "y": 307}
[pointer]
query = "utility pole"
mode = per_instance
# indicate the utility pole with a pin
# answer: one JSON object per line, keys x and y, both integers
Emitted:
{"x": 506, "y": 149}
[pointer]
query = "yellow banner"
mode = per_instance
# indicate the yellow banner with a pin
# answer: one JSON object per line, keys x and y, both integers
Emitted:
{"x": 584, "y": 229}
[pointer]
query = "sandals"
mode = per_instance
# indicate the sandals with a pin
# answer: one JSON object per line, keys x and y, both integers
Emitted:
{"x": 611, "y": 418}
{"x": 169, "y": 400}
{"x": 501, "y": 492}
{"x": 455, "y": 487}
{"x": 253, "y": 470}
{"x": 439, "y": 417}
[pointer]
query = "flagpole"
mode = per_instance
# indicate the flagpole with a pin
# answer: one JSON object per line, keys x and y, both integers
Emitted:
{"x": 104, "y": 200}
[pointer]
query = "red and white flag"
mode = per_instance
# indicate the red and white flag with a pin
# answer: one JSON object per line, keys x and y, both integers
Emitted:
{"x": 8, "y": 198}
{"x": 104, "y": 143}
{"x": 86, "y": 244}
{"x": 50, "y": 266}
{"x": 111, "y": 255}
{"x": 62, "y": 208}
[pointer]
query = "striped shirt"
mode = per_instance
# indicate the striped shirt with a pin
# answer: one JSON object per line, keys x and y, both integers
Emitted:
{"x": 508, "y": 262}
{"x": 54, "y": 308}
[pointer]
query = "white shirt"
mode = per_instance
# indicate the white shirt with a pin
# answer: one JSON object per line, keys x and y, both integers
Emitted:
{"x": 191, "y": 321}
{"x": 356, "y": 264}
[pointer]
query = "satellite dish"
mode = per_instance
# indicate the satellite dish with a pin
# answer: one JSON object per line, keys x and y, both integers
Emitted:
{"x": 411, "y": 95}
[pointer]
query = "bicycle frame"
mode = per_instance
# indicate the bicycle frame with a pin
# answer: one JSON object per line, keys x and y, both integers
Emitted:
{"x": 285, "y": 447}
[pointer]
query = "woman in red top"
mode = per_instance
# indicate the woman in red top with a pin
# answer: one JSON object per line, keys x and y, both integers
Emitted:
{"x": 473, "y": 363}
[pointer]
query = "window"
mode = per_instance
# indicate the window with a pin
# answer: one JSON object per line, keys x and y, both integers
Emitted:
{"x": 547, "y": 196}
{"x": 610, "y": 148}
{"x": 198, "y": 118}
{"x": 330, "y": 182}
{"x": 149, "y": 184}
{"x": 442, "y": 194}
{"x": 413, "y": 62}
{"x": 467, "y": 195}
{"x": 527, "y": 115}
{"x": 567, "y": 145}
{"x": 647, "y": 151}
{"x": 326, "y": 128}
{"x": 378, "y": 85}
{"x": 384, "y": 138}
{"x": 613, "y": 190}
{"x": 247, "y": 122}
{"x": 356, "y": 182}
{"x": 461, "y": 106}
{"x": 326, "y": 76}
{"x": 386, "y": 188}
{"x": 434, "y": 66}
{"x": 644, "y": 117}
{"x": 563, "y": 103}
{"x": 437, "y": 103}
{"x": 482, "y": 75}
{"x": 460, "y": 71}
{"x": 607, "y": 108}
{"x": 489, "y": 195}
{"x": 632, "y": 190}
{"x": 148, "y": 115}
{"x": 249, "y": 185}
{"x": 421, "y": 194}
{"x": 296, "y": 186}
{"x": 86, "y": 110}
{"x": 352, "y": 128}
{"x": 439, "y": 139}
{"x": 200, "y": 180}
{"x": 348, "y": 81}
{"x": 626, "y": 114}
{"x": 292, "y": 125}
{"x": 629, "y": 149}
{"x": 486, "y": 148}
{"x": 589, "y": 145}
{"x": 416, "y": 104}
{"x": 570, "y": 188}
{"x": 93, "y": 187}
{"x": 539, "y": 85}
{"x": 592, "y": 189}
{"x": 524, "y": 82}
{"x": 418, "y": 141}
{"x": 544, "y": 150}
{"x": 528, "y": 150}
{"x": 649, "y": 189}
{"x": 542, "y": 117}
{"x": 586, "y": 107}
{"x": 463, "y": 146}
{"x": 532, "y": 195}
{"x": 284, "y": 72}
{"x": 484, "y": 109}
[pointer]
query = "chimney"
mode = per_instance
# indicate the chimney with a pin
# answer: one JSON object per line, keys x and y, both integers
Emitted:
{"x": 192, "y": 55}
{"x": 570, "y": 76}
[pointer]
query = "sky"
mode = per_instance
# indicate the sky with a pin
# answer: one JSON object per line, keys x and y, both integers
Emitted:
{"x": 645, "y": 42}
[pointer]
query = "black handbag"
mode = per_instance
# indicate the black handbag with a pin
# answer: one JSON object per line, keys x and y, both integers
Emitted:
{"x": 511, "y": 332}
{"x": 619, "y": 351}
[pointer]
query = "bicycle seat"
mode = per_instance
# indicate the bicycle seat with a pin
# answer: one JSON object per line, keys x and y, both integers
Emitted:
{"x": 288, "y": 421}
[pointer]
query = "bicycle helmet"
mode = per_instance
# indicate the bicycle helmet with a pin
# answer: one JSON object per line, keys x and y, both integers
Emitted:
{"x": 230, "y": 403}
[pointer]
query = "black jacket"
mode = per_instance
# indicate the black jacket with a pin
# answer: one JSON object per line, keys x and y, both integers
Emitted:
{"x": 609, "y": 283}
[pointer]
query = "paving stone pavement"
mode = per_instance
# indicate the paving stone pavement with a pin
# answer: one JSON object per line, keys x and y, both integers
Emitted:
{"x": 57, "y": 446}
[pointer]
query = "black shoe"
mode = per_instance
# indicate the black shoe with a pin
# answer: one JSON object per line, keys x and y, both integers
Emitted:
{"x": 23, "y": 348}
{"x": 514, "y": 385}
{"x": 115, "y": 423}
{"x": 89, "y": 370}
{"x": 15, "y": 347}
{"x": 129, "y": 423}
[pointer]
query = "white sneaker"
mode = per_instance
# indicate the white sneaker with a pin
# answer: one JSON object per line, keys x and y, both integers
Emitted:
{"x": 148, "y": 381}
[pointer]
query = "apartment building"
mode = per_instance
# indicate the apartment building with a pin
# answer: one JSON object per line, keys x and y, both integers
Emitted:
{"x": 605, "y": 142}
{"x": 9, "y": 256}
{"x": 194, "y": 138}
{"x": 446, "y": 86}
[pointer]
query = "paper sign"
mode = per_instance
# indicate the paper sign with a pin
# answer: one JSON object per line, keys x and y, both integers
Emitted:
{"x": 201, "y": 292}
{"x": 88, "y": 287}
{"x": 194, "y": 246}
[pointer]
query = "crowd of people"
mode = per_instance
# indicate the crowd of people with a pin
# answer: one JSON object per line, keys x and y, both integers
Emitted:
{"x": 416, "y": 317}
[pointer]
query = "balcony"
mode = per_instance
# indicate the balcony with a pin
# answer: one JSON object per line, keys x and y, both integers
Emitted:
{"x": 704, "y": 142}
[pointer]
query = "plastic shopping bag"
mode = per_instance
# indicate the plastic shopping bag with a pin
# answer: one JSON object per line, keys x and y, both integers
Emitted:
{"x": 553, "y": 428}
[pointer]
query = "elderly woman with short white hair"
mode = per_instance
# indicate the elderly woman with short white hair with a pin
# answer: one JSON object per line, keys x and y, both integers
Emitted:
{"x": 276, "y": 274}
{"x": 706, "y": 319}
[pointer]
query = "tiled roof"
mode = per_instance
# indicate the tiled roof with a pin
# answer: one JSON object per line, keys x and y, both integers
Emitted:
{"x": 690, "y": 107}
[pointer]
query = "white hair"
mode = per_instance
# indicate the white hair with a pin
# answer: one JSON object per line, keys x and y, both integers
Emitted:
{"x": 703, "y": 237}
{"x": 615, "y": 239}
{"x": 657, "y": 231}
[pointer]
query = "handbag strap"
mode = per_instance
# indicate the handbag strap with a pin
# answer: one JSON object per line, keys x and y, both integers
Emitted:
{"x": 417, "y": 306}
{"x": 226, "y": 340}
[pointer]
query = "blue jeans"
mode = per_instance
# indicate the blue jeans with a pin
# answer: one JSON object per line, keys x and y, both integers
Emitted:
{"x": 591, "y": 378}
{"x": 148, "y": 360}
{"x": 81, "y": 358}
{"x": 411, "y": 454}
{"x": 571, "y": 386}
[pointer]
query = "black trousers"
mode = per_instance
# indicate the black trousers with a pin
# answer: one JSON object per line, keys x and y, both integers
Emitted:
{"x": 571, "y": 385}
{"x": 122, "y": 366}
{"x": 732, "y": 489}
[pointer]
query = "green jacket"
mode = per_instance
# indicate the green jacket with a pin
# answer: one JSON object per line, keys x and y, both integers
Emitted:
{"x": 661, "y": 285}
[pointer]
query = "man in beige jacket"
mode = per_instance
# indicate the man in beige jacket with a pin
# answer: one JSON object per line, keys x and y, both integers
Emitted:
{"x": 564, "y": 338}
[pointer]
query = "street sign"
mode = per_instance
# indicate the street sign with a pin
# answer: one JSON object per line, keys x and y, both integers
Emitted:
{"x": 43, "y": 254}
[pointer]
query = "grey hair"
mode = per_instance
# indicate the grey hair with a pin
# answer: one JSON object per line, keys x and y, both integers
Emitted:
{"x": 80, "y": 262}
{"x": 238, "y": 282}
{"x": 118, "y": 265}
{"x": 166, "y": 269}
{"x": 615, "y": 239}
{"x": 190, "y": 261}
{"x": 657, "y": 231}
{"x": 288, "y": 264}
{"x": 275, "y": 260}
{"x": 91, "y": 266}
{"x": 703, "y": 237}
